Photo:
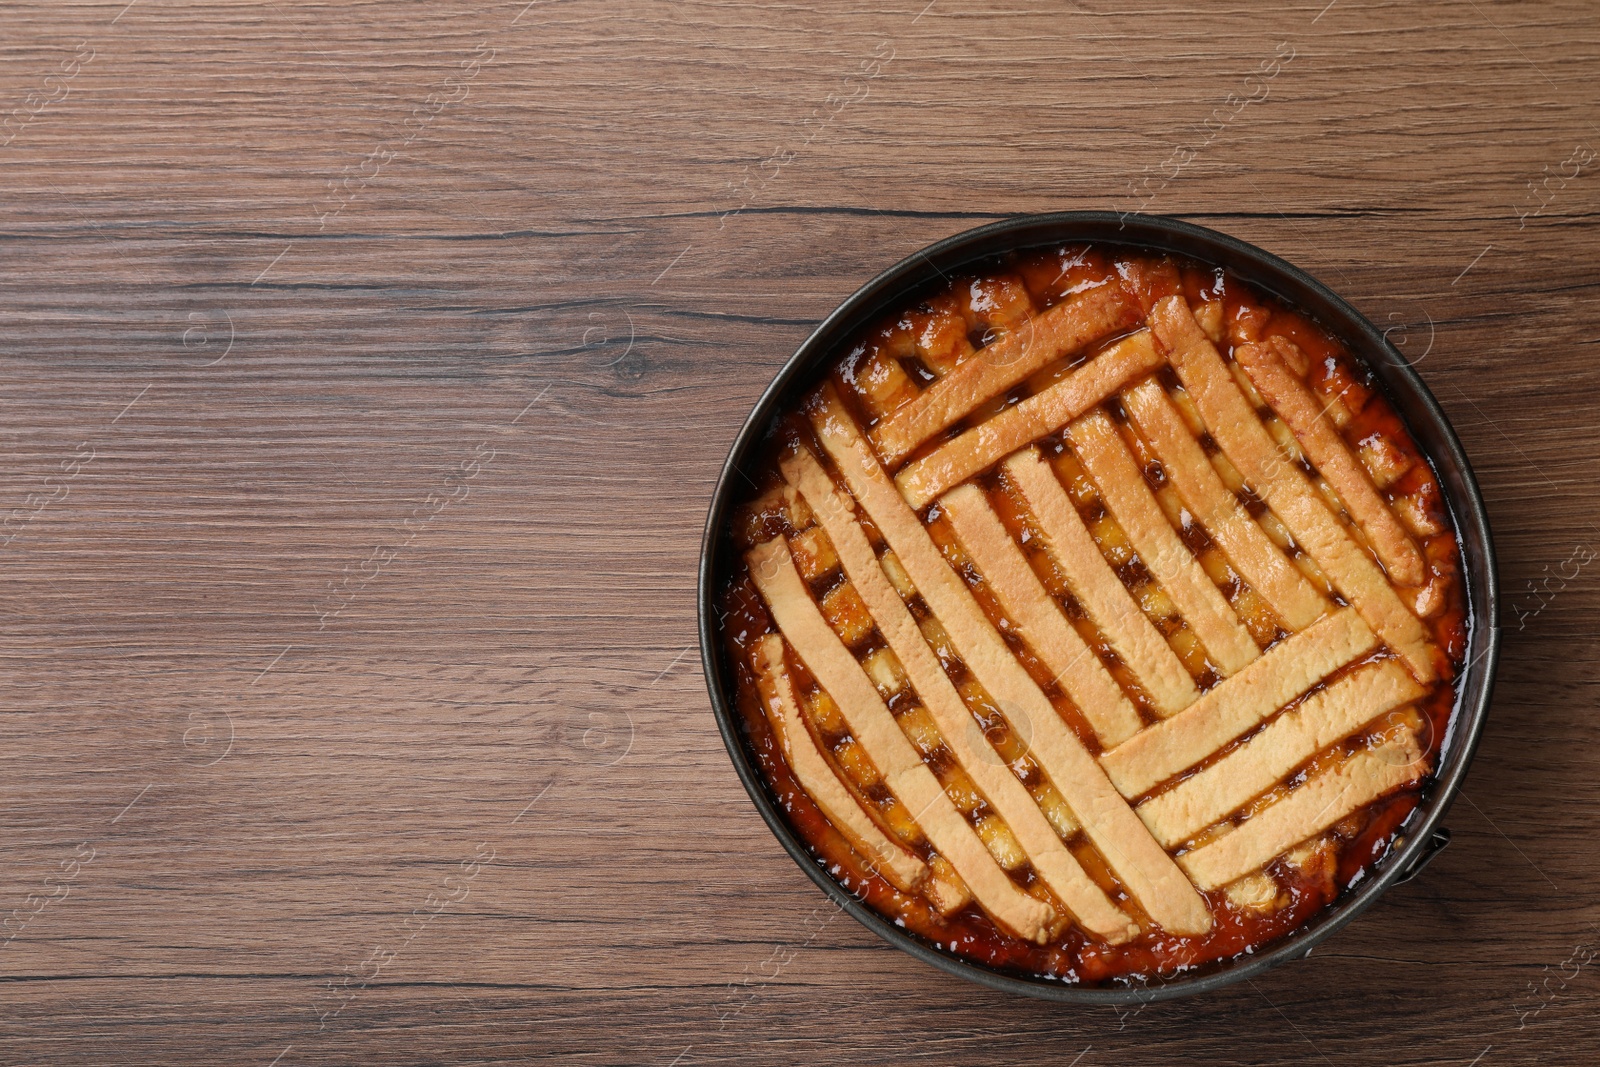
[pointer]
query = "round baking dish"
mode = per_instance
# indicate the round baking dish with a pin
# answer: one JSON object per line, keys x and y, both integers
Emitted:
{"x": 1421, "y": 837}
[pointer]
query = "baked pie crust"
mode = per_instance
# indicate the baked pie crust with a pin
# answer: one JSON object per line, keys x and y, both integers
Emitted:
{"x": 1097, "y": 616}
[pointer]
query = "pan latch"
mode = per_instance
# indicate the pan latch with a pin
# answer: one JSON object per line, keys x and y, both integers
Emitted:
{"x": 1436, "y": 843}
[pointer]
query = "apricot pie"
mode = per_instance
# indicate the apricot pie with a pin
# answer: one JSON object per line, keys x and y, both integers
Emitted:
{"x": 1097, "y": 616}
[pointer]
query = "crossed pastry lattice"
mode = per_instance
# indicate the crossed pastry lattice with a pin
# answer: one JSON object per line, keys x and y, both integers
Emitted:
{"x": 1019, "y": 786}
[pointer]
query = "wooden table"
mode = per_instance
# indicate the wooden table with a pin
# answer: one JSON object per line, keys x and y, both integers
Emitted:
{"x": 366, "y": 371}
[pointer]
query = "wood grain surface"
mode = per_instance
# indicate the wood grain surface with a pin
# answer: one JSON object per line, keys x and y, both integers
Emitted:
{"x": 365, "y": 369}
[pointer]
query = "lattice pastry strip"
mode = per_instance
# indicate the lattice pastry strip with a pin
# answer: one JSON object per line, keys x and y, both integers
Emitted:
{"x": 1284, "y": 487}
{"x": 1019, "y": 426}
{"x": 1111, "y": 827}
{"x": 960, "y": 731}
{"x": 1238, "y": 704}
{"x": 812, "y": 770}
{"x": 1107, "y": 459}
{"x": 1038, "y": 616}
{"x": 1247, "y": 547}
{"x": 905, "y": 775}
{"x": 1060, "y": 331}
{"x": 1324, "y": 718}
{"x": 1164, "y": 765}
{"x": 1268, "y": 365}
{"x": 1308, "y": 810}
{"x": 934, "y": 340}
{"x": 1129, "y": 631}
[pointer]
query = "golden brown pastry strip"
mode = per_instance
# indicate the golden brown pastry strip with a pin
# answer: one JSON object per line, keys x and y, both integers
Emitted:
{"x": 1111, "y": 826}
{"x": 1268, "y": 365}
{"x": 1045, "y": 338}
{"x": 906, "y": 776}
{"x": 1018, "y": 426}
{"x": 1131, "y": 633}
{"x": 1251, "y": 551}
{"x": 1323, "y": 718}
{"x": 1235, "y": 425}
{"x": 1239, "y": 703}
{"x": 962, "y": 735}
{"x": 1038, "y": 617}
{"x": 811, "y": 769}
{"x": 945, "y": 889}
{"x": 1310, "y": 809}
{"x": 1123, "y": 488}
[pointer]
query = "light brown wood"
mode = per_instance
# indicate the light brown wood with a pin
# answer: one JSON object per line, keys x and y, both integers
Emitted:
{"x": 299, "y": 744}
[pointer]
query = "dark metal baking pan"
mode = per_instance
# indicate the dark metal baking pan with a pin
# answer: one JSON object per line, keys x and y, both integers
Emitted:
{"x": 1422, "y": 836}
